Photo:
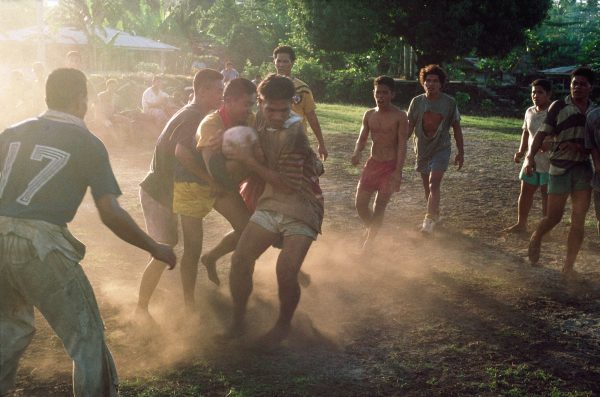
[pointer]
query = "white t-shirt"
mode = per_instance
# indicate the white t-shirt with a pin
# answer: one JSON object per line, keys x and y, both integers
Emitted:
{"x": 150, "y": 98}
{"x": 532, "y": 122}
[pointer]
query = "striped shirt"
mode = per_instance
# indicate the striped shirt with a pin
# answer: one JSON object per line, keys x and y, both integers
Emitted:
{"x": 288, "y": 152}
{"x": 565, "y": 123}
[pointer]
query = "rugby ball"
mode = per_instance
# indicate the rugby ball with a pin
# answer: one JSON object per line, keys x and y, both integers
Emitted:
{"x": 239, "y": 137}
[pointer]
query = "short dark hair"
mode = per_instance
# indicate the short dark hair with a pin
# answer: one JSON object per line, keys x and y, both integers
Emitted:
{"x": 386, "y": 81}
{"x": 285, "y": 49}
{"x": 545, "y": 84}
{"x": 238, "y": 87}
{"x": 204, "y": 77}
{"x": 275, "y": 87}
{"x": 64, "y": 87}
{"x": 432, "y": 69}
{"x": 584, "y": 71}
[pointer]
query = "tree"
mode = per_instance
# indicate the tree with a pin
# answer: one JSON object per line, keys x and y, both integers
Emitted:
{"x": 438, "y": 30}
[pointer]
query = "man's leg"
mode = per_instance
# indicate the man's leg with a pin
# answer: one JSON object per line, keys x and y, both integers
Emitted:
{"x": 362, "y": 205}
{"x": 161, "y": 225}
{"x": 192, "y": 248}
{"x": 381, "y": 201}
{"x": 253, "y": 242}
{"x": 16, "y": 328}
{"x": 425, "y": 180}
{"x": 544, "y": 192}
{"x": 433, "y": 202}
{"x": 523, "y": 207}
{"x": 556, "y": 207}
{"x": 580, "y": 202}
{"x": 150, "y": 279}
{"x": 289, "y": 262}
{"x": 232, "y": 207}
{"x": 64, "y": 296}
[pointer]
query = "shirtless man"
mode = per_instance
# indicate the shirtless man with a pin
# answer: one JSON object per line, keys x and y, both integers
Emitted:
{"x": 430, "y": 116}
{"x": 382, "y": 173}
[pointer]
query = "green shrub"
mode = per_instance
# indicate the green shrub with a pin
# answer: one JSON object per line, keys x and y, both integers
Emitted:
{"x": 462, "y": 99}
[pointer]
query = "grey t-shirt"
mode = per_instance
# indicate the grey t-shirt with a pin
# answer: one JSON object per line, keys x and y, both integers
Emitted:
{"x": 592, "y": 139}
{"x": 442, "y": 112}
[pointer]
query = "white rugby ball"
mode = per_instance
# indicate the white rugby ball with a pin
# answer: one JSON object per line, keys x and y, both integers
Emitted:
{"x": 239, "y": 137}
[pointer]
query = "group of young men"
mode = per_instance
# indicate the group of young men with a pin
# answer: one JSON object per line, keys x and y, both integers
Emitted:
{"x": 270, "y": 194}
{"x": 430, "y": 117}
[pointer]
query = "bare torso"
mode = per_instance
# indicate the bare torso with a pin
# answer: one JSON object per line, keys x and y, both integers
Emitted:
{"x": 384, "y": 125}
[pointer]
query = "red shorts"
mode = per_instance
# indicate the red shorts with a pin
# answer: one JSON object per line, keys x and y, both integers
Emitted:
{"x": 376, "y": 175}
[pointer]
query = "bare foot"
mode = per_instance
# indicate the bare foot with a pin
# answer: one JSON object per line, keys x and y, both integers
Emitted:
{"x": 143, "y": 322}
{"x": 274, "y": 337}
{"x": 303, "y": 279}
{"x": 570, "y": 275}
{"x": 235, "y": 331}
{"x": 211, "y": 268}
{"x": 516, "y": 228}
{"x": 534, "y": 250}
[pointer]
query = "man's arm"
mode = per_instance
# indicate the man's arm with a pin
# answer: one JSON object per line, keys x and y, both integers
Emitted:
{"x": 522, "y": 146}
{"x": 186, "y": 157}
{"x": 538, "y": 140}
{"x": 401, "y": 155}
{"x": 122, "y": 225}
{"x": 313, "y": 121}
{"x": 363, "y": 136}
{"x": 458, "y": 138}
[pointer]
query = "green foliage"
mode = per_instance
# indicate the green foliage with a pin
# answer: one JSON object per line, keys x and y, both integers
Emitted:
{"x": 462, "y": 98}
{"x": 429, "y": 26}
{"x": 569, "y": 35}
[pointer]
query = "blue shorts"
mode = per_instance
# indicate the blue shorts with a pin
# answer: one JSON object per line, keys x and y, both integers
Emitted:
{"x": 438, "y": 162}
{"x": 276, "y": 222}
{"x": 537, "y": 179}
{"x": 576, "y": 178}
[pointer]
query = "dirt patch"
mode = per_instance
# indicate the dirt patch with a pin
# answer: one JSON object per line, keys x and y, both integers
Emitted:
{"x": 460, "y": 313}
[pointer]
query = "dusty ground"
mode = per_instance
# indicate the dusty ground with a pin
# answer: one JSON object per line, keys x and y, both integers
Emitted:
{"x": 459, "y": 313}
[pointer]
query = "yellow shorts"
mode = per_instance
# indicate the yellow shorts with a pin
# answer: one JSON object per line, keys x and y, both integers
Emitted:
{"x": 192, "y": 199}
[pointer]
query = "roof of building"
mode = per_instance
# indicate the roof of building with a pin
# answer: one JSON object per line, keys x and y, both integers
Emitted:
{"x": 73, "y": 36}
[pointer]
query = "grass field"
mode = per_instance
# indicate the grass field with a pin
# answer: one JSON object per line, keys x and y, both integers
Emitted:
{"x": 346, "y": 119}
{"x": 459, "y": 313}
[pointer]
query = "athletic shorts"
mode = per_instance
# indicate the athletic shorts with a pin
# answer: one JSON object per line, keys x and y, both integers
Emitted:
{"x": 276, "y": 222}
{"x": 438, "y": 162}
{"x": 161, "y": 222}
{"x": 537, "y": 179}
{"x": 576, "y": 178}
{"x": 192, "y": 199}
{"x": 376, "y": 175}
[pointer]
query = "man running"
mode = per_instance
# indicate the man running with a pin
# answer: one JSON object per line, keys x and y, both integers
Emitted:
{"x": 382, "y": 173}
{"x": 541, "y": 92}
{"x": 291, "y": 206}
{"x": 430, "y": 116}
{"x": 47, "y": 165}
{"x": 303, "y": 103}
{"x": 169, "y": 190}
{"x": 570, "y": 168}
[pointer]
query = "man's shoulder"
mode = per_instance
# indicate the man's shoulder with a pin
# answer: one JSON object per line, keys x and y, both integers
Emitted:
{"x": 593, "y": 117}
{"x": 212, "y": 119}
{"x": 300, "y": 85}
{"x": 448, "y": 98}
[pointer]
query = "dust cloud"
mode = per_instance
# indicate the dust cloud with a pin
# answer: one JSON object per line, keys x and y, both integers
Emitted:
{"x": 348, "y": 291}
